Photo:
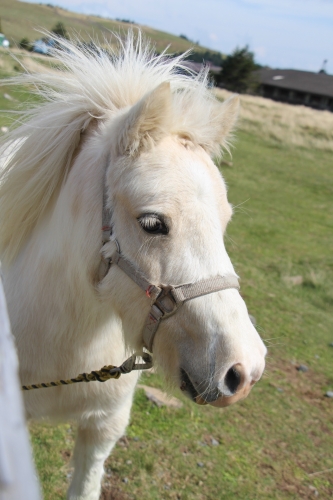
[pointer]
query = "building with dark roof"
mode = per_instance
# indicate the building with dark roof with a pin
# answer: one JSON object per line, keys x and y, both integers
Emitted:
{"x": 196, "y": 67}
{"x": 297, "y": 87}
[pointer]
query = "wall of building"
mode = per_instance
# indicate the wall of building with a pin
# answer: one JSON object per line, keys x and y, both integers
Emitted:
{"x": 295, "y": 97}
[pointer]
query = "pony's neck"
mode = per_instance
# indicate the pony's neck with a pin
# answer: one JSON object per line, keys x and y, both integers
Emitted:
{"x": 64, "y": 248}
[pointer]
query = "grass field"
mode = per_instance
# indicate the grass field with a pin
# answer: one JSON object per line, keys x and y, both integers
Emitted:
{"x": 278, "y": 443}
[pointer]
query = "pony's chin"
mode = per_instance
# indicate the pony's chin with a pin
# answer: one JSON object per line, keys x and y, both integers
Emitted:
{"x": 224, "y": 401}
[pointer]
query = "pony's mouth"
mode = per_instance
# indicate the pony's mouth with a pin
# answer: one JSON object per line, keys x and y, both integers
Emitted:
{"x": 188, "y": 387}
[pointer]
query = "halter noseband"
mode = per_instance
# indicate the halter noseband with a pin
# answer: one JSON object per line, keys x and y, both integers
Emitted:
{"x": 165, "y": 299}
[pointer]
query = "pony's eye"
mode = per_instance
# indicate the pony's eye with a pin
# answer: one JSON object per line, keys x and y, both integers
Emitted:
{"x": 153, "y": 224}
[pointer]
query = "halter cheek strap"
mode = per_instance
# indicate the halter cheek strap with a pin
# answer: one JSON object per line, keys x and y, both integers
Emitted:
{"x": 165, "y": 299}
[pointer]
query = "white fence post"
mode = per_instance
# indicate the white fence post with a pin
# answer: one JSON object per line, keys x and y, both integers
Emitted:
{"x": 18, "y": 478}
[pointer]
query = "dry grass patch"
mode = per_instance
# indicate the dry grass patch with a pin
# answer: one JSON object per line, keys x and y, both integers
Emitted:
{"x": 17, "y": 60}
{"x": 284, "y": 123}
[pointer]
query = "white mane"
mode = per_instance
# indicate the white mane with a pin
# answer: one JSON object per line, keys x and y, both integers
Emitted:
{"x": 95, "y": 86}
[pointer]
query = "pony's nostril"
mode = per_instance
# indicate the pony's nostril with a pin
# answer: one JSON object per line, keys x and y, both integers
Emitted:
{"x": 234, "y": 378}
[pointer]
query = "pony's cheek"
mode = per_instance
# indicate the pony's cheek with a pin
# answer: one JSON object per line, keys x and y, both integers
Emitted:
{"x": 166, "y": 353}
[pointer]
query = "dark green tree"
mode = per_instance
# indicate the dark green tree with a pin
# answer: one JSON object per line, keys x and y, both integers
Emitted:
{"x": 60, "y": 30}
{"x": 237, "y": 71}
{"x": 25, "y": 44}
{"x": 215, "y": 58}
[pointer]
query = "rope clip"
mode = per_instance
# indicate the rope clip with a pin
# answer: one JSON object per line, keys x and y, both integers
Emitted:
{"x": 130, "y": 364}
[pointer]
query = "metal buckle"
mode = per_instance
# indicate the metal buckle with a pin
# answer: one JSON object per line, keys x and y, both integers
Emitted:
{"x": 166, "y": 301}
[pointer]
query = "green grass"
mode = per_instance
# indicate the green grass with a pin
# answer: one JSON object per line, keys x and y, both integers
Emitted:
{"x": 51, "y": 452}
{"x": 277, "y": 444}
{"x": 17, "y": 98}
{"x": 12, "y": 97}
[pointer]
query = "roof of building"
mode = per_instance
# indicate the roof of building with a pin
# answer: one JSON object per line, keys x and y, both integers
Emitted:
{"x": 197, "y": 67}
{"x": 301, "y": 81}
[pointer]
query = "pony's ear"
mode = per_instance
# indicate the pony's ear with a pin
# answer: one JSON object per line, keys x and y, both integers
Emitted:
{"x": 146, "y": 122}
{"x": 226, "y": 116}
{"x": 229, "y": 112}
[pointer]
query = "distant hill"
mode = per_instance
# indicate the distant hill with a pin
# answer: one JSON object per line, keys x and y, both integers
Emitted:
{"x": 20, "y": 19}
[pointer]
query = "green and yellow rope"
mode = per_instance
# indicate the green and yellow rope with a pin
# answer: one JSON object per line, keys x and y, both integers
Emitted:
{"x": 101, "y": 375}
{"x": 106, "y": 373}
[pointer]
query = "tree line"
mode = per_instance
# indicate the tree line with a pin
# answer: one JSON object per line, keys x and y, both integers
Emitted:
{"x": 237, "y": 69}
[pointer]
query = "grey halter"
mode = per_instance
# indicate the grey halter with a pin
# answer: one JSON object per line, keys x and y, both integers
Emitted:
{"x": 165, "y": 299}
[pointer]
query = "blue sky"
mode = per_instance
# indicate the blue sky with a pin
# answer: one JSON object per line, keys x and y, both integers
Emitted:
{"x": 282, "y": 33}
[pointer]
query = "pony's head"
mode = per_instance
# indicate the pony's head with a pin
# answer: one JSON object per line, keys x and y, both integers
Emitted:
{"x": 155, "y": 129}
{"x": 169, "y": 214}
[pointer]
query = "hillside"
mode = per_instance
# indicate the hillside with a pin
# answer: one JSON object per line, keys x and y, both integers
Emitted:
{"x": 20, "y": 19}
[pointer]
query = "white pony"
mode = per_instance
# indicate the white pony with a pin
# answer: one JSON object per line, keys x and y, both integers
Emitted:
{"x": 141, "y": 129}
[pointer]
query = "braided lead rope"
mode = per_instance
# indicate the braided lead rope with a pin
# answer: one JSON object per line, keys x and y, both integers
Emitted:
{"x": 106, "y": 373}
{"x": 101, "y": 375}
